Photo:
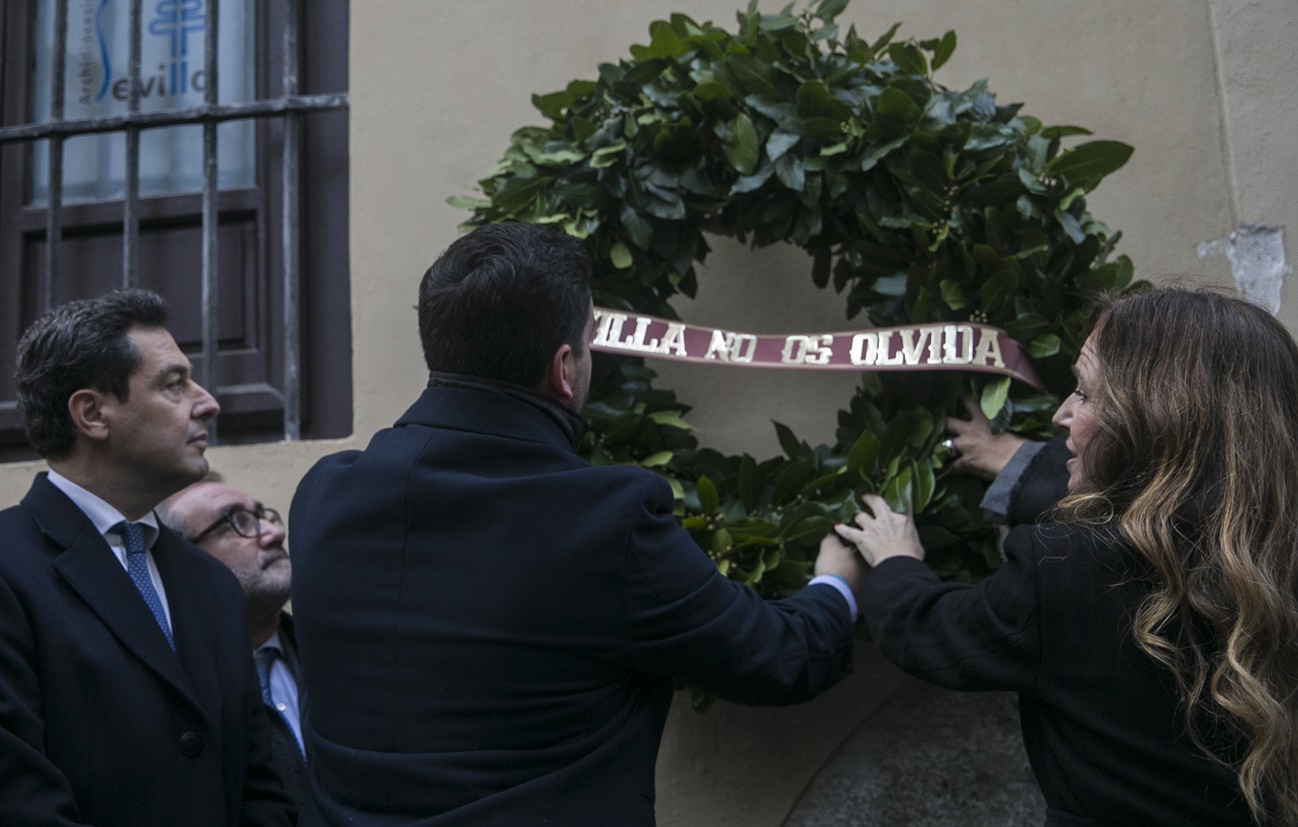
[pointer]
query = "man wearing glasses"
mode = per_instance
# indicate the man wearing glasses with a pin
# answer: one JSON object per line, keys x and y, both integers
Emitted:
{"x": 249, "y": 539}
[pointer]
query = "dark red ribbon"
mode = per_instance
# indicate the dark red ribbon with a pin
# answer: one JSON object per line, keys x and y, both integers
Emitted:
{"x": 943, "y": 346}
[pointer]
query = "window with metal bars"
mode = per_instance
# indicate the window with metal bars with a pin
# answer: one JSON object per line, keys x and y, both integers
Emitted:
{"x": 197, "y": 148}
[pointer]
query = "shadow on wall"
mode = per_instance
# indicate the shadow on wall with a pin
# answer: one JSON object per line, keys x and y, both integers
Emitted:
{"x": 929, "y": 758}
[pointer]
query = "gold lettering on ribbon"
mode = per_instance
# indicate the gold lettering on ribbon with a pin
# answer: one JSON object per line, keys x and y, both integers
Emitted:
{"x": 732, "y": 347}
{"x": 952, "y": 334}
{"x": 742, "y": 341}
{"x": 808, "y": 350}
{"x": 636, "y": 342}
{"x": 865, "y": 349}
{"x": 795, "y": 347}
{"x": 673, "y": 340}
{"x": 957, "y": 345}
{"x": 885, "y": 348}
{"x": 989, "y": 351}
{"x": 608, "y": 327}
{"x": 952, "y": 344}
{"x": 608, "y": 333}
{"x": 719, "y": 347}
{"x": 912, "y": 342}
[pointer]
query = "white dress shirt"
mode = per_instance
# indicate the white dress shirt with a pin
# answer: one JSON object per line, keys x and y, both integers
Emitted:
{"x": 105, "y": 519}
{"x": 283, "y": 688}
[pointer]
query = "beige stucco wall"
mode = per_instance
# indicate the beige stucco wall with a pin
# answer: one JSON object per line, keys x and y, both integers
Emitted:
{"x": 1258, "y": 74}
{"x": 1202, "y": 88}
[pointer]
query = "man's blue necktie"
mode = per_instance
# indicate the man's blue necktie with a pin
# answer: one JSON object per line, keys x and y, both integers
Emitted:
{"x": 137, "y": 565}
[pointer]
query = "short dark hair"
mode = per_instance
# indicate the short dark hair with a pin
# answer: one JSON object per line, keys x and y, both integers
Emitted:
{"x": 501, "y": 300}
{"x": 77, "y": 345}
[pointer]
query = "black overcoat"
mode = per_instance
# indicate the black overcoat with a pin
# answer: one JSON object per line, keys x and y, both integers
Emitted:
{"x": 101, "y": 722}
{"x": 489, "y": 626}
{"x": 1104, "y": 730}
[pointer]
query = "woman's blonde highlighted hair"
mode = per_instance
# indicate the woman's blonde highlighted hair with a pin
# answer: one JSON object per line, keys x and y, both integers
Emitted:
{"x": 1195, "y": 461}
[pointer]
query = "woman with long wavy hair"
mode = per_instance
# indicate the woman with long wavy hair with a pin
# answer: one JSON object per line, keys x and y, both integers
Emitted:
{"x": 1151, "y": 626}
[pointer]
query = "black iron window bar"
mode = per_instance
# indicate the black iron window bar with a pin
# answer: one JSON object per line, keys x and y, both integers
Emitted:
{"x": 291, "y": 106}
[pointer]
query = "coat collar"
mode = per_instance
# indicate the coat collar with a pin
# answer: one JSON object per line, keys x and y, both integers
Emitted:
{"x": 288, "y": 645}
{"x": 88, "y": 566}
{"x": 479, "y": 405}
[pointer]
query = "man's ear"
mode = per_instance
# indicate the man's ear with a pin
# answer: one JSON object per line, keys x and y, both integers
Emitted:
{"x": 560, "y": 374}
{"x": 86, "y": 408}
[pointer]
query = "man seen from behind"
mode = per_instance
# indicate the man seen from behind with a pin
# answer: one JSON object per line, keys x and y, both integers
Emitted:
{"x": 490, "y": 627}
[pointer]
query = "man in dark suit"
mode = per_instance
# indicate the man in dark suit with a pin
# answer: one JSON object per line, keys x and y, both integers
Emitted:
{"x": 490, "y": 626}
{"x": 127, "y": 696}
{"x": 248, "y": 538}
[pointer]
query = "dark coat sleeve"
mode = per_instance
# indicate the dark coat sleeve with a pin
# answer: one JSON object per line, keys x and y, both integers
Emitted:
{"x": 984, "y": 636}
{"x": 1043, "y": 484}
{"x": 687, "y": 620}
{"x": 103, "y": 724}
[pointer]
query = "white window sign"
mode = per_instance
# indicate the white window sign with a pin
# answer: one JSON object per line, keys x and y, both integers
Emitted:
{"x": 172, "y": 76}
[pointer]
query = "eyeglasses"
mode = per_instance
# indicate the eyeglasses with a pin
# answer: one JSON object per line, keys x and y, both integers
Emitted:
{"x": 244, "y": 522}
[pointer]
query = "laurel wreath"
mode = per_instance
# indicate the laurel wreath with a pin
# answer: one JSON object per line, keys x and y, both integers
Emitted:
{"x": 917, "y": 203}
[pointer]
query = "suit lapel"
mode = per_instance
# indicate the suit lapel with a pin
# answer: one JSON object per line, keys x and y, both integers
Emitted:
{"x": 190, "y": 599}
{"x": 288, "y": 645}
{"x": 88, "y": 566}
{"x": 288, "y": 642}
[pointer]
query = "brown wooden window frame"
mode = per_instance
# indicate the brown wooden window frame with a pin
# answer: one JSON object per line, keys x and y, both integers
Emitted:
{"x": 277, "y": 355}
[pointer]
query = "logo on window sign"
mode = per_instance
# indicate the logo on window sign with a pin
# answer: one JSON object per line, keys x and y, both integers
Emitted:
{"x": 171, "y": 32}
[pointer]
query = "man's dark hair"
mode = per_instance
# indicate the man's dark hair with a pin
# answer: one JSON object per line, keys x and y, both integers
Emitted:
{"x": 501, "y": 300}
{"x": 81, "y": 344}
